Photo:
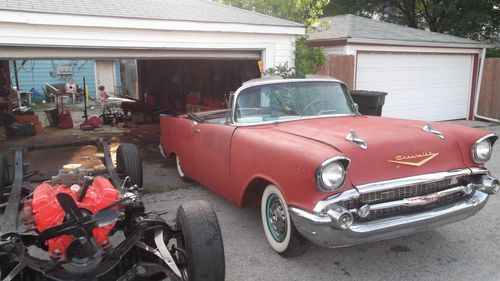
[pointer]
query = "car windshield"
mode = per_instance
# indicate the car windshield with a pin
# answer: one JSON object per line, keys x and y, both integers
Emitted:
{"x": 292, "y": 100}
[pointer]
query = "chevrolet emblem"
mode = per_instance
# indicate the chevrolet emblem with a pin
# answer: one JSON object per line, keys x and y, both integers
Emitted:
{"x": 411, "y": 160}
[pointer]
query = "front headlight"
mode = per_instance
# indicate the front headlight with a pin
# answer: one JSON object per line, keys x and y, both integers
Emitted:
{"x": 481, "y": 150}
{"x": 331, "y": 174}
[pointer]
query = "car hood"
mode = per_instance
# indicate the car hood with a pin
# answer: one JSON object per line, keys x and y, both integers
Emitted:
{"x": 396, "y": 148}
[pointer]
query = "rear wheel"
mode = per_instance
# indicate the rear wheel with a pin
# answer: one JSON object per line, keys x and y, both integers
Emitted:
{"x": 180, "y": 172}
{"x": 129, "y": 163}
{"x": 279, "y": 228}
{"x": 202, "y": 242}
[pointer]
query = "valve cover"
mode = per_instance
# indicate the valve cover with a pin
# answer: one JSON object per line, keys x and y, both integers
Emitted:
{"x": 48, "y": 213}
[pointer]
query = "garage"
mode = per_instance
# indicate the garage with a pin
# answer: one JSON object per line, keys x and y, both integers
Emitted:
{"x": 180, "y": 53}
{"x": 422, "y": 86}
{"x": 427, "y": 75}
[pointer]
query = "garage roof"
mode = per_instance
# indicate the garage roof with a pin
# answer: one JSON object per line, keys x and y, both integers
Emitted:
{"x": 369, "y": 30}
{"x": 181, "y": 10}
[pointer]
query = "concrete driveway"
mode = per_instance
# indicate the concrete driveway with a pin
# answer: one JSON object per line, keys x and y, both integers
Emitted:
{"x": 468, "y": 250}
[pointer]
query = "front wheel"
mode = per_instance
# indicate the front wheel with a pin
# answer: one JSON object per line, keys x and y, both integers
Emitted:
{"x": 202, "y": 242}
{"x": 279, "y": 228}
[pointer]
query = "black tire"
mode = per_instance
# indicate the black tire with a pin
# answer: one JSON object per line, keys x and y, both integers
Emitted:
{"x": 4, "y": 178}
{"x": 181, "y": 174}
{"x": 281, "y": 233}
{"x": 129, "y": 163}
{"x": 202, "y": 241}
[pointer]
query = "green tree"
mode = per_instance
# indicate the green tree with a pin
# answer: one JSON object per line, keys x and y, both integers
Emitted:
{"x": 475, "y": 19}
{"x": 307, "y": 12}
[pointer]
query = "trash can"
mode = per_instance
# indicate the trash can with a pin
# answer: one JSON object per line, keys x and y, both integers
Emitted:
{"x": 369, "y": 102}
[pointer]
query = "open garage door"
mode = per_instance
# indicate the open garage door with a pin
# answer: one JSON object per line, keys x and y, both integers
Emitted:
{"x": 420, "y": 86}
{"x": 185, "y": 85}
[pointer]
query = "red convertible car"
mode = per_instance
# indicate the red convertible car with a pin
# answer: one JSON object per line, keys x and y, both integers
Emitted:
{"x": 322, "y": 172}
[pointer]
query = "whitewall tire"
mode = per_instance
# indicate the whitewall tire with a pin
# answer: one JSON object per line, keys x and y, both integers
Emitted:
{"x": 280, "y": 231}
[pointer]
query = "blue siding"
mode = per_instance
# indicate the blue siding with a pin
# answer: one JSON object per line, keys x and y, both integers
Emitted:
{"x": 35, "y": 73}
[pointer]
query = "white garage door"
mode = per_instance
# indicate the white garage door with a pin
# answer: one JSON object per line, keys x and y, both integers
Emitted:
{"x": 420, "y": 86}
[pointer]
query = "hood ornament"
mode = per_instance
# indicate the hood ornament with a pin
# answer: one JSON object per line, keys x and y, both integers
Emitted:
{"x": 353, "y": 137}
{"x": 429, "y": 129}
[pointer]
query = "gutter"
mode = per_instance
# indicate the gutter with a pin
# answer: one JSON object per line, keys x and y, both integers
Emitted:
{"x": 478, "y": 91}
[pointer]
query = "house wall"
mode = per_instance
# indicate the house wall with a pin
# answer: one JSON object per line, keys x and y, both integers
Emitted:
{"x": 35, "y": 73}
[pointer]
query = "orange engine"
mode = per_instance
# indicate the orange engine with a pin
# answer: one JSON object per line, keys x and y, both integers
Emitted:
{"x": 48, "y": 213}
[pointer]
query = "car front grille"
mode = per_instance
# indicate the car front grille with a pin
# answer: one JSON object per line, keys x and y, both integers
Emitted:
{"x": 404, "y": 192}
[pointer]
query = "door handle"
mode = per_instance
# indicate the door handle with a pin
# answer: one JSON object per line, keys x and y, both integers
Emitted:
{"x": 197, "y": 130}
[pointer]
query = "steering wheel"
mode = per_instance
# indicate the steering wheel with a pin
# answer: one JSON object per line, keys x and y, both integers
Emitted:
{"x": 311, "y": 103}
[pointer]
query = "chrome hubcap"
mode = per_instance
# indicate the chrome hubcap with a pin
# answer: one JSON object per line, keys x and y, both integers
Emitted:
{"x": 276, "y": 218}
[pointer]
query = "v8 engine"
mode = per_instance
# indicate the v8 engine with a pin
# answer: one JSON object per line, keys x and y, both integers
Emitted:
{"x": 91, "y": 196}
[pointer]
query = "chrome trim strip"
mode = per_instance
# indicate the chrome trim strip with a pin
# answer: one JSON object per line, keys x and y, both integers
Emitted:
{"x": 314, "y": 219}
{"x": 237, "y": 124}
{"x": 323, "y": 205}
{"x": 426, "y": 178}
{"x": 472, "y": 149}
{"x": 418, "y": 200}
{"x": 479, "y": 170}
{"x": 429, "y": 129}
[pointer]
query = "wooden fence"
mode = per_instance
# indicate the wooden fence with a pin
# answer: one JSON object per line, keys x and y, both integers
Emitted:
{"x": 489, "y": 95}
{"x": 340, "y": 67}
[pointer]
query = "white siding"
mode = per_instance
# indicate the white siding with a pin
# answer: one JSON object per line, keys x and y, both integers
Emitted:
{"x": 86, "y": 36}
{"x": 420, "y": 86}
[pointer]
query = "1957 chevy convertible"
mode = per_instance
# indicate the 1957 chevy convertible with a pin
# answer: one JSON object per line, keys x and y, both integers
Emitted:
{"x": 321, "y": 171}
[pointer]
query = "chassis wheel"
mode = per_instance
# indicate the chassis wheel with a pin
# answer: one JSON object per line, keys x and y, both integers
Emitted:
{"x": 128, "y": 163}
{"x": 180, "y": 172}
{"x": 4, "y": 177}
{"x": 202, "y": 241}
{"x": 278, "y": 227}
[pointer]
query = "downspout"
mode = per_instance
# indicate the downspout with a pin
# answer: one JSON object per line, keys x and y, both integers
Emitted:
{"x": 478, "y": 91}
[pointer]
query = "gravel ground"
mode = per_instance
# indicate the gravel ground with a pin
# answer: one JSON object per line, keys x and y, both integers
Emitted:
{"x": 466, "y": 250}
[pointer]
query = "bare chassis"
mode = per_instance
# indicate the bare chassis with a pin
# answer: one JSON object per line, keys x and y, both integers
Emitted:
{"x": 135, "y": 258}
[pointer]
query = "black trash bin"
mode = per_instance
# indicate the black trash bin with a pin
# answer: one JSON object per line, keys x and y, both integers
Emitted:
{"x": 369, "y": 102}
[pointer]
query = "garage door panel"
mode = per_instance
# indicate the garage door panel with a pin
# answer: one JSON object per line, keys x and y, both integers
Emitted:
{"x": 419, "y": 86}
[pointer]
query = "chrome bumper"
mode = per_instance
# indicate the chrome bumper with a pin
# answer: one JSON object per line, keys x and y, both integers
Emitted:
{"x": 318, "y": 227}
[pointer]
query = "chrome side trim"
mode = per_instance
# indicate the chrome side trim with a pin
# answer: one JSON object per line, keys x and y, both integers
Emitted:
{"x": 314, "y": 219}
{"x": 426, "y": 178}
{"x": 353, "y": 137}
{"x": 479, "y": 170}
{"x": 419, "y": 200}
{"x": 429, "y": 129}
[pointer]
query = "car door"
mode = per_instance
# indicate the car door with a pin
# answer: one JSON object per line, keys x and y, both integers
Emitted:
{"x": 211, "y": 151}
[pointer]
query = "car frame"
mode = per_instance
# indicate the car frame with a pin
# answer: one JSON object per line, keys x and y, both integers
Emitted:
{"x": 151, "y": 248}
{"x": 398, "y": 177}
